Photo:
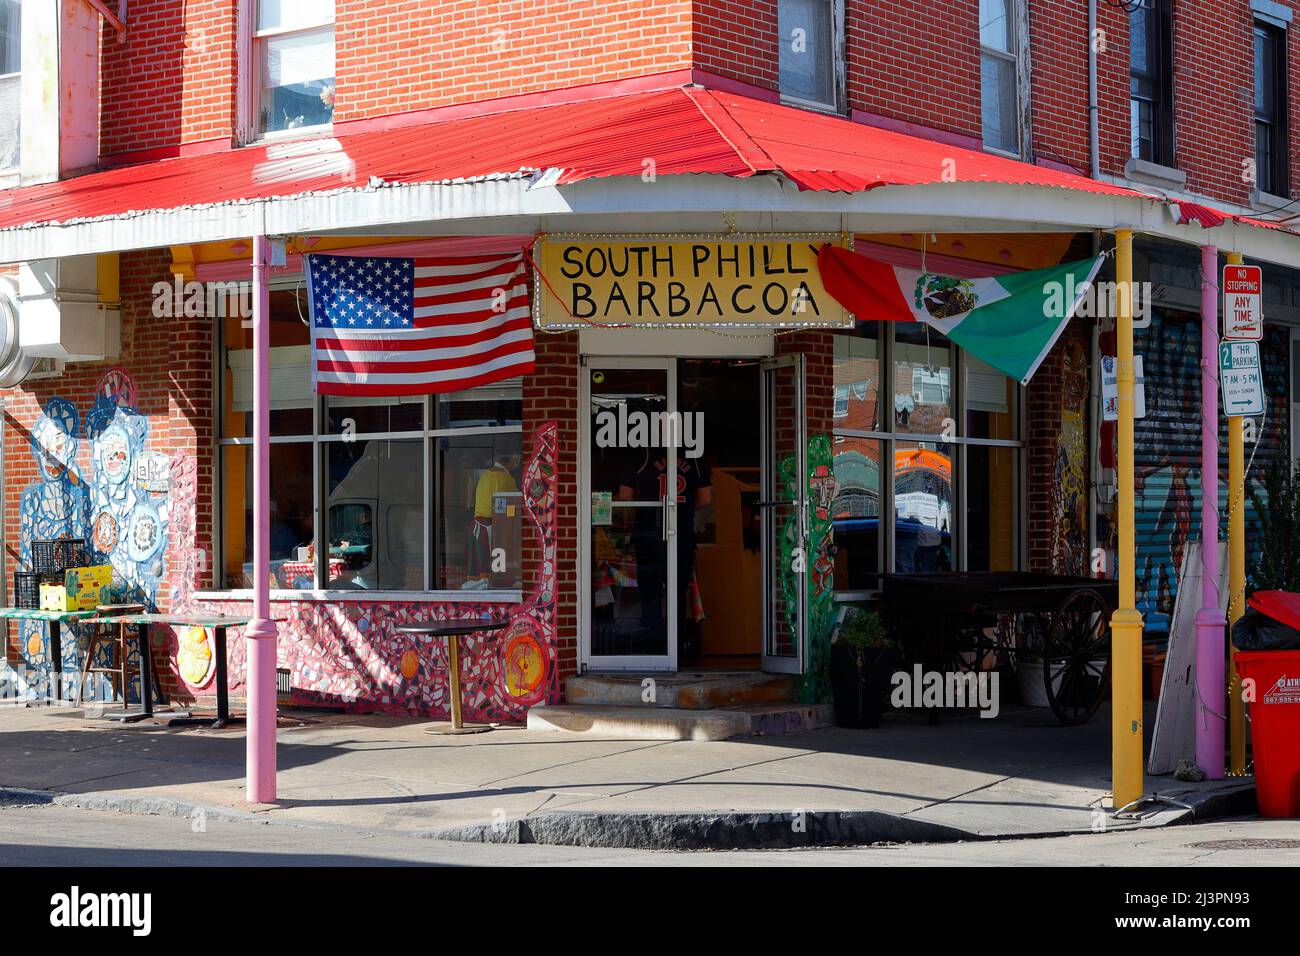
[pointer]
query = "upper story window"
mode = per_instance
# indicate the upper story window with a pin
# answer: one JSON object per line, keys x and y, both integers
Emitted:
{"x": 293, "y": 60}
{"x": 1271, "y": 157}
{"x": 1000, "y": 74}
{"x": 811, "y": 64}
{"x": 10, "y": 81}
{"x": 1151, "y": 80}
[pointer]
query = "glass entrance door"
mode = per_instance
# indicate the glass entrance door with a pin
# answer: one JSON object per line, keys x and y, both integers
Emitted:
{"x": 629, "y": 498}
{"x": 785, "y": 514}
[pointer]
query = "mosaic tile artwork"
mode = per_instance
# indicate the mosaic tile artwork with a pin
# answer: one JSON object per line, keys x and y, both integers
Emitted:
{"x": 116, "y": 497}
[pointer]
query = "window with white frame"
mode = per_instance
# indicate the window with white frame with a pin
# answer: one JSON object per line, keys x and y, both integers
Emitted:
{"x": 293, "y": 65}
{"x": 389, "y": 494}
{"x": 1000, "y": 74}
{"x": 10, "y": 82}
{"x": 810, "y": 59}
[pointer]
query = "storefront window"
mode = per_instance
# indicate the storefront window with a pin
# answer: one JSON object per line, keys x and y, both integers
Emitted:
{"x": 377, "y": 461}
{"x": 481, "y": 509}
{"x": 856, "y": 512}
{"x": 954, "y": 456}
{"x": 923, "y": 506}
{"x": 373, "y": 415}
{"x": 376, "y": 514}
{"x": 856, "y": 458}
{"x": 291, "y": 515}
{"x": 991, "y": 508}
{"x": 923, "y": 377}
{"x": 991, "y": 479}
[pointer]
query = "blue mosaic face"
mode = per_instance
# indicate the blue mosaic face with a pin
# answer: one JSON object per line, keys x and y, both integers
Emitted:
{"x": 54, "y": 439}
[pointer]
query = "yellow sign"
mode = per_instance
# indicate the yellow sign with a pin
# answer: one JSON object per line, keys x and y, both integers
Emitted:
{"x": 682, "y": 282}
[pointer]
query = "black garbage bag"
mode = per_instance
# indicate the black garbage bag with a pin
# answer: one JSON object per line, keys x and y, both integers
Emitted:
{"x": 1259, "y": 632}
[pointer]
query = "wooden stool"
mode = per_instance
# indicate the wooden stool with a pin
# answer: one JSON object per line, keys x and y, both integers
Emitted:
{"x": 115, "y": 637}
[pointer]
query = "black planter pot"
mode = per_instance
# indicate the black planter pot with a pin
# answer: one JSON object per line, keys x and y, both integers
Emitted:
{"x": 860, "y": 683}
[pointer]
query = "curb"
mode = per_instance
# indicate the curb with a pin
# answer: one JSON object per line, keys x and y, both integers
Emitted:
{"x": 789, "y": 830}
{"x": 124, "y": 803}
{"x": 708, "y": 831}
{"x": 683, "y": 831}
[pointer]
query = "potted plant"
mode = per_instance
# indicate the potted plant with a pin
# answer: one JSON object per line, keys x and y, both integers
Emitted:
{"x": 863, "y": 660}
{"x": 1278, "y": 566}
{"x": 1029, "y": 661}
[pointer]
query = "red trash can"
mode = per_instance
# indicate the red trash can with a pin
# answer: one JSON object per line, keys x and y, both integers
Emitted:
{"x": 1275, "y": 728}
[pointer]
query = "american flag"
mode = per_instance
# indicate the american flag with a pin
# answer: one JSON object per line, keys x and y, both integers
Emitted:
{"x": 396, "y": 326}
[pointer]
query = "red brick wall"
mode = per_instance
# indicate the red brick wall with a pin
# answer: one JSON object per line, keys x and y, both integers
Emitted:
{"x": 551, "y": 394}
{"x": 1214, "y": 128}
{"x": 172, "y": 81}
{"x": 818, "y": 347}
{"x": 737, "y": 39}
{"x": 399, "y": 55}
{"x": 915, "y": 62}
{"x": 170, "y": 361}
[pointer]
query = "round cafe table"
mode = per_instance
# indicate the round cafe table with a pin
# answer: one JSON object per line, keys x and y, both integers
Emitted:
{"x": 453, "y": 631}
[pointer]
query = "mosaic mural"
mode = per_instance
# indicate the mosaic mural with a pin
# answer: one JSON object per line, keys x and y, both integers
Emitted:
{"x": 819, "y": 575}
{"x": 119, "y": 503}
{"x": 1070, "y": 477}
{"x": 1167, "y": 455}
{"x": 350, "y": 654}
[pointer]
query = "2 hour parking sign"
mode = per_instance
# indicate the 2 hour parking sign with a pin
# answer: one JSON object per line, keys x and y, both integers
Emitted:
{"x": 1241, "y": 378}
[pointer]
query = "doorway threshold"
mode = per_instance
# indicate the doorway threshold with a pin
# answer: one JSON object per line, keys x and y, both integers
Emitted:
{"x": 687, "y": 690}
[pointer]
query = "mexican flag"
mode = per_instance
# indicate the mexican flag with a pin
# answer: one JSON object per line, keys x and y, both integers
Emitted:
{"x": 1010, "y": 321}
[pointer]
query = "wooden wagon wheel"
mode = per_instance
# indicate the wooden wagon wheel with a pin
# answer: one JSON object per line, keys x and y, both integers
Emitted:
{"x": 1076, "y": 657}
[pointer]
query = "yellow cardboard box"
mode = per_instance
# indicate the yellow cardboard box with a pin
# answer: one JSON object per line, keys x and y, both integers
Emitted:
{"x": 82, "y": 589}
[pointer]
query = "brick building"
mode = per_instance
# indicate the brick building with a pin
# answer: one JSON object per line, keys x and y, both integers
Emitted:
{"x": 968, "y": 138}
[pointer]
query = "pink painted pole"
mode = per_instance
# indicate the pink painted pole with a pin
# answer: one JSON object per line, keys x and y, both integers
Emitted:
{"x": 259, "y": 635}
{"x": 1211, "y": 698}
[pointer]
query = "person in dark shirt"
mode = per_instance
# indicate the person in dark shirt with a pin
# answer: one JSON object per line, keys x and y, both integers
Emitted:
{"x": 693, "y": 490}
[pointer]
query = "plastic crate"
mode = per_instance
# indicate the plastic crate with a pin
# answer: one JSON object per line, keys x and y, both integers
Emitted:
{"x": 56, "y": 555}
{"x": 283, "y": 686}
{"x": 27, "y": 589}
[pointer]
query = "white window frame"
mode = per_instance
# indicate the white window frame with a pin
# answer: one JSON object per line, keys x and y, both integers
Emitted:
{"x": 838, "y": 79}
{"x": 1019, "y": 55}
{"x": 16, "y": 169}
{"x": 249, "y": 84}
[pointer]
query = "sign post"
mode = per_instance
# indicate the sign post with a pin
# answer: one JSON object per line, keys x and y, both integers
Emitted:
{"x": 1126, "y": 622}
{"x": 1236, "y": 545}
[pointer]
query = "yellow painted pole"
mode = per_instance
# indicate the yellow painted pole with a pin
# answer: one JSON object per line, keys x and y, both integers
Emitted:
{"x": 1236, "y": 579}
{"x": 1126, "y": 623}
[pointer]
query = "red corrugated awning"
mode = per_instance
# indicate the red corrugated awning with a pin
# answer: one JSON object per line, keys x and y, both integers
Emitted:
{"x": 682, "y": 130}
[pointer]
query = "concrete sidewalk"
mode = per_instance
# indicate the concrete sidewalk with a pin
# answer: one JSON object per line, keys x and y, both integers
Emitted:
{"x": 1021, "y": 775}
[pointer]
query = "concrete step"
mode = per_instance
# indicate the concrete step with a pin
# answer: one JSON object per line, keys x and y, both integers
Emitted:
{"x": 687, "y": 691}
{"x": 677, "y": 723}
{"x": 771, "y": 719}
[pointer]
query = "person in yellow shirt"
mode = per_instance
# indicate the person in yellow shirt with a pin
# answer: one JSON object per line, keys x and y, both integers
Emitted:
{"x": 497, "y": 480}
